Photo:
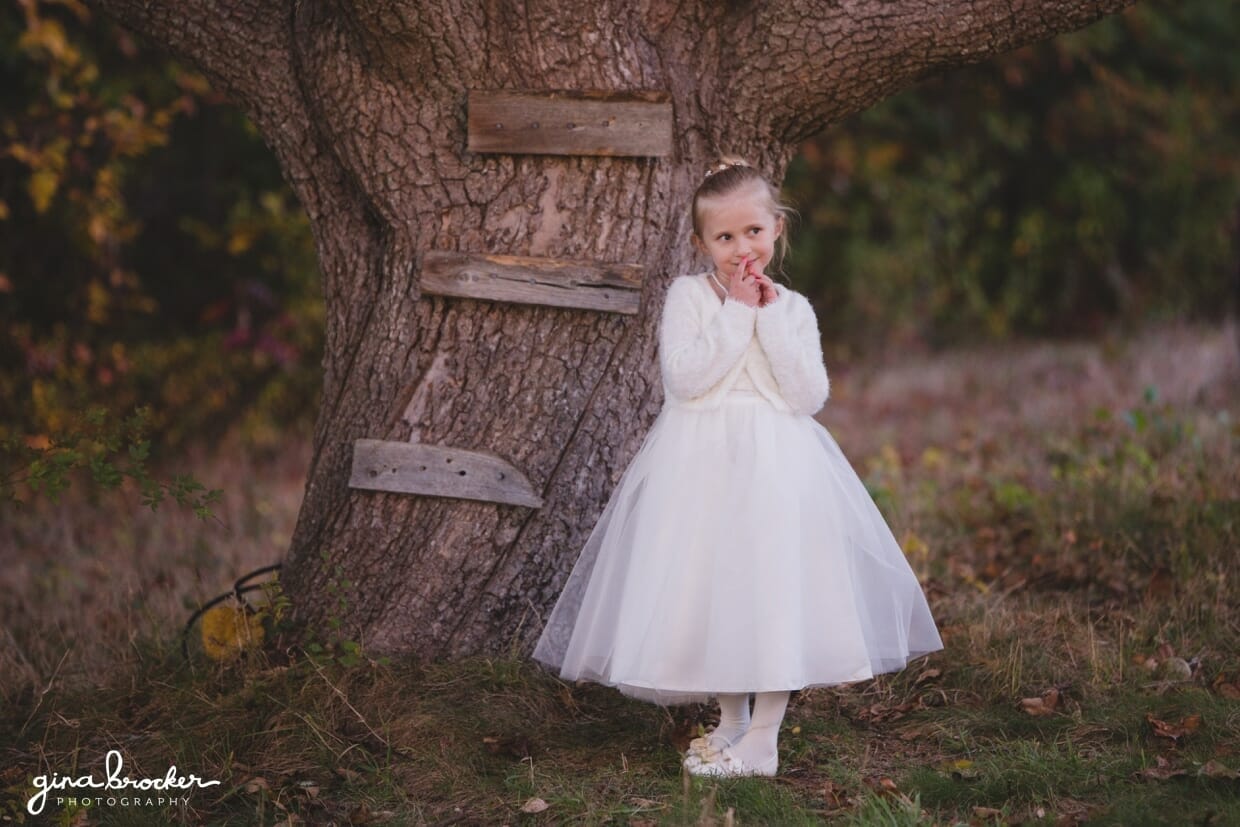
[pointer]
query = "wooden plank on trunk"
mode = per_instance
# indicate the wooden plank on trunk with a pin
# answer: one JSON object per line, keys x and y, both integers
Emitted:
{"x": 590, "y": 285}
{"x": 438, "y": 471}
{"x": 570, "y": 122}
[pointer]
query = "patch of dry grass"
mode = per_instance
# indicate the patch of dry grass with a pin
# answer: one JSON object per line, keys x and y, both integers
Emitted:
{"x": 82, "y": 582}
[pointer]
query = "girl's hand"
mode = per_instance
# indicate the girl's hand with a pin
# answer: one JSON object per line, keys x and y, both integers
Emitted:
{"x": 765, "y": 285}
{"x": 744, "y": 286}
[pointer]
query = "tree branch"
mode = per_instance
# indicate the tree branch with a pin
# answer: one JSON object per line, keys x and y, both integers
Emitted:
{"x": 242, "y": 46}
{"x": 813, "y": 62}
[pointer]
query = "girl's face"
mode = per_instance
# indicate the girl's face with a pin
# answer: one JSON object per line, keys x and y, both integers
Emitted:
{"x": 736, "y": 225}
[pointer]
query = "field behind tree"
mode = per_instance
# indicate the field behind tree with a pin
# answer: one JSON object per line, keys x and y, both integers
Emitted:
{"x": 1072, "y": 509}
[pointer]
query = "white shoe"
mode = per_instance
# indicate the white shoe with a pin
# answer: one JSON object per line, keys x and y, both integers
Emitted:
{"x": 724, "y": 764}
{"x": 708, "y": 743}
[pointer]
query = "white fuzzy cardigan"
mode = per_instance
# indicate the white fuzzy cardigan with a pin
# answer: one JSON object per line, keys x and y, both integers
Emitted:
{"x": 704, "y": 344}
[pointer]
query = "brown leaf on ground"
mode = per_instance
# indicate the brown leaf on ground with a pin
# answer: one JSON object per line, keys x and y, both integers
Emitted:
{"x": 1229, "y": 690}
{"x": 1161, "y": 771}
{"x": 1044, "y": 705}
{"x": 834, "y": 796}
{"x": 517, "y": 746}
{"x": 987, "y": 812}
{"x": 1174, "y": 731}
{"x": 916, "y": 731}
{"x": 927, "y": 674}
{"x": 1161, "y": 585}
{"x": 361, "y": 814}
{"x": 1217, "y": 769}
{"x": 882, "y": 785}
{"x": 886, "y": 712}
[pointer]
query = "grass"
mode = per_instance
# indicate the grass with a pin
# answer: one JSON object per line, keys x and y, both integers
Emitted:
{"x": 1072, "y": 549}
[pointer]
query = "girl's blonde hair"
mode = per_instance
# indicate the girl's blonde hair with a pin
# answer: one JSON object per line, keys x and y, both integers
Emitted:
{"x": 729, "y": 173}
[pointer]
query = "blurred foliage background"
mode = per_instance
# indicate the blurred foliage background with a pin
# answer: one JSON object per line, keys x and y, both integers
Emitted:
{"x": 1086, "y": 182}
{"x": 151, "y": 253}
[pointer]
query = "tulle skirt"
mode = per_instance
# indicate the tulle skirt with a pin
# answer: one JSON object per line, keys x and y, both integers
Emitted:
{"x": 739, "y": 552}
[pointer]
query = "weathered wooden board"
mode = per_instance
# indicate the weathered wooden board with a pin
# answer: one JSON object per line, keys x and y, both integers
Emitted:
{"x": 591, "y": 285}
{"x": 570, "y": 122}
{"x": 438, "y": 471}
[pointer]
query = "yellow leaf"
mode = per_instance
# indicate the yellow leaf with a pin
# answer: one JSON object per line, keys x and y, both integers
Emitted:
{"x": 242, "y": 239}
{"x": 933, "y": 458}
{"x": 21, "y": 152}
{"x": 98, "y": 300}
{"x": 914, "y": 545}
{"x": 42, "y": 187}
{"x": 45, "y": 33}
{"x": 228, "y": 630}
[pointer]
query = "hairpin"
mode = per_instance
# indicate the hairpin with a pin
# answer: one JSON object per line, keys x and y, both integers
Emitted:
{"x": 722, "y": 166}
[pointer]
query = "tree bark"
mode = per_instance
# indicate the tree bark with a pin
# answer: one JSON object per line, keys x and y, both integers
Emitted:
{"x": 364, "y": 105}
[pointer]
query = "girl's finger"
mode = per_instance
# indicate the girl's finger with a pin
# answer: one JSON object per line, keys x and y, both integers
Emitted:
{"x": 740, "y": 268}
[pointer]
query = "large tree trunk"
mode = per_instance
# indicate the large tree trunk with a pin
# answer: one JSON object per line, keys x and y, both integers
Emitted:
{"x": 364, "y": 105}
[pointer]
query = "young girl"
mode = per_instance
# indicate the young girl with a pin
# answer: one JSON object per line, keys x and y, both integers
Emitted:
{"x": 739, "y": 551}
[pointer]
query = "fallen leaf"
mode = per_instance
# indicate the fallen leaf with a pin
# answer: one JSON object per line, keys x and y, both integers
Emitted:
{"x": 882, "y": 785}
{"x": 1161, "y": 585}
{"x": 1160, "y": 772}
{"x": 927, "y": 675}
{"x": 961, "y": 769}
{"x": 914, "y": 732}
{"x": 1176, "y": 668}
{"x": 1044, "y": 705}
{"x": 1217, "y": 769}
{"x": 1231, "y": 691}
{"x": 360, "y": 815}
{"x": 534, "y": 805}
{"x": 987, "y": 812}
{"x": 834, "y": 796}
{"x": 1174, "y": 731}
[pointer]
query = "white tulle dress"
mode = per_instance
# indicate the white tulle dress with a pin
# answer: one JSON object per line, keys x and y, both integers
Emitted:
{"x": 739, "y": 551}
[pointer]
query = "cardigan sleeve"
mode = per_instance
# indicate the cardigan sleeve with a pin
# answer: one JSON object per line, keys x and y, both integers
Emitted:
{"x": 693, "y": 356}
{"x": 793, "y": 346}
